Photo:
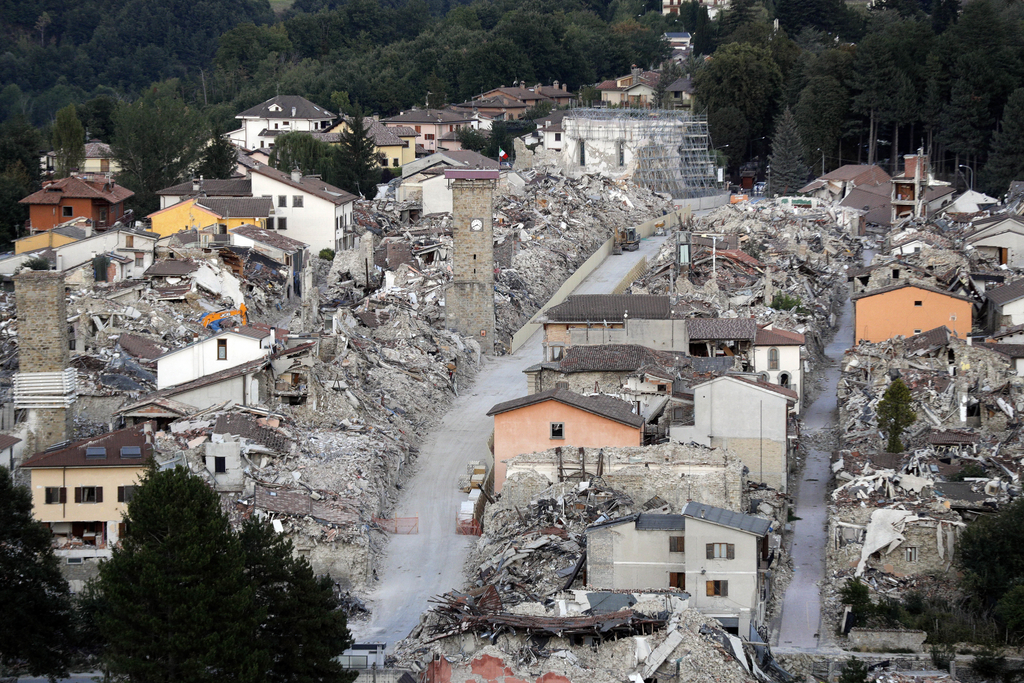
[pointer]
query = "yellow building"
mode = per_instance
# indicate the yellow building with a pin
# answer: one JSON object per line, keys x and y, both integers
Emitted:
{"x": 81, "y": 490}
{"x": 57, "y": 237}
{"x": 201, "y": 212}
{"x": 396, "y": 145}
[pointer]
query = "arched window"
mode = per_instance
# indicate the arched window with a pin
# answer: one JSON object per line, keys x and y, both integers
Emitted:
{"x": 784, "y": 379}
{"x": 773, "y": 359}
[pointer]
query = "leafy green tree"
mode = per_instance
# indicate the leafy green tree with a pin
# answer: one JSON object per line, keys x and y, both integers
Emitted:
{"x": 730, "y": 132}
{"x": 742, "y": 76}
{"x": 1006, "y": 162}
{"x": 991, "y": 557}
{"x": 15, "y": 185}
{"x": 68, "y": 140}
{"x": 854, "y": 671}
{"x": 157, "y": 142}
{"x": 304, "y": 630}
{"x": 500, "y": 140}
{"x": 895, "y": 414}
{"x": 298, "y": 150}
{"x": 669, "y": 73}
{"x": 35, "y": 631}
{"x": 789, "y": 172}
{"x": 538, "y": 111}
{"x": 220, "y": 159}
{"x": 821, "y": 115}
{"x": 179, "y": 604}
{"x": 97, "y": 117}
{"x": 437, "y": 92}
{"x": 472, "y": 139}
{"x": 855, "y": 593}
{"x": 360, "y": 162}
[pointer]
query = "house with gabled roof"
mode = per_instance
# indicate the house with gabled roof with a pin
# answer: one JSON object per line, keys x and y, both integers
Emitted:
{"x": 311, "y": 210}
{"x": 718, "y": 558}
{"x": 560, "y": 418}
{"x": 908, "y": 308}
{"x": 598, "y": 314}
{"x": 261, "y": 124}
{"x": 1005, "y": 306}
{"x": 200, "y": 187}
{"x": 224, "y": 213}
{"x": 838, "y": 184}
{"x": 100, "y": 200}
{"x": 80, "y": 490}
{"x": 227, "y": 349}
{"x": 778, "y": 359}
{"x": 749, "y": 417}
{"x": 395, "y": 145}
{"x": 431, "y": 124}
{"x": 635, "y": 89}
{"x": 1001, "y": 238}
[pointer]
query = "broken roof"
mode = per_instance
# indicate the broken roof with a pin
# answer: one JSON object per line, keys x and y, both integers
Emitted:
{"x": 860, "y": 173}
{"x": 269, "y": 237}
{"x": 123, "y": 448}
{"x": 140, "y": 347}
{"x": 951, "y": 437}
{"x": 1006, "y": 293}
{"x": 734, "y": 520}
{"x": 612, "y": 358}
{"x": 610, "y": 307}
{"x": 603, "y": 406}
{"x": 171, "y": 268}
{"x": 245, "y": 427}
{"x": 723, "y": 329}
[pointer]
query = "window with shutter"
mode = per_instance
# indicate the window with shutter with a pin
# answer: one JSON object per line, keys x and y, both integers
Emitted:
{"x": 721, "y": 551}
{"x": 717, "y": 588}
{"x": 99, "y": 494}
{"x": 710, "y": 551}
{"x": 63, "y": 494}
{"x": 78, "y": 494}
{"x": 676, "y": 544}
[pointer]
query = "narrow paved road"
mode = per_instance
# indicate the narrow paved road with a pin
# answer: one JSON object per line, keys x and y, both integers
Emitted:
{"x": 430, "y": 563}
{"x": 801, "y": 606}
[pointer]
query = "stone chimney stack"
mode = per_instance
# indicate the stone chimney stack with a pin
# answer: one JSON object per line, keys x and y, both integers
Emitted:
{"x": 296, "y": 175}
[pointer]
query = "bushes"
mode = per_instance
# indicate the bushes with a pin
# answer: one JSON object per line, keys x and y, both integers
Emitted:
{"x": 327, "y": 254}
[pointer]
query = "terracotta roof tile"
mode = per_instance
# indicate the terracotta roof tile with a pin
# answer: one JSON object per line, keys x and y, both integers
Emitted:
{"x": 76, "y": 188}
{"x": 776, "y": 337}
{"x": 74, "y": 455}
{"x": 610, "y": 307}
{"x": 604, "y": 406}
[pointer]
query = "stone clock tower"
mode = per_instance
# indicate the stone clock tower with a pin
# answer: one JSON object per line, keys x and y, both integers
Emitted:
{"x": 469, "y": 303}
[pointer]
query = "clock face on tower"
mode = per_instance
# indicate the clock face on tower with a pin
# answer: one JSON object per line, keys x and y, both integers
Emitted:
{"x": 476, "y": 225}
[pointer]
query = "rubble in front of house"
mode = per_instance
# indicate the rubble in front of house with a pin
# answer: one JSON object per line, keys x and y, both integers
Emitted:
{"x": 746, "y": 258}
{"x": 545, "y": 227}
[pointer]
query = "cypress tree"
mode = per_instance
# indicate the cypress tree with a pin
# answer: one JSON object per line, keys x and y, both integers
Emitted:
{"x": 895, "y": 415}
{"x": 1007, "y": 161}
{"x": 35, "y": 630}
{"x": 304, "y": 630}
{"x": 178, "y": 606}
{"x": 68, "y": 141}
{"x": 359, "y": 160}
{"x": 789, "y": 172}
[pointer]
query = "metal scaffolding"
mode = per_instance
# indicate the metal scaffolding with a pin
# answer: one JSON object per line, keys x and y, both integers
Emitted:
{"x": 670, "y": 150}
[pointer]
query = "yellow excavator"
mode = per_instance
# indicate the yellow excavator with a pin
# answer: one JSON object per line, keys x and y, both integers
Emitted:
{"x": 626, "y": 239}
{"x": 213, "y": 320}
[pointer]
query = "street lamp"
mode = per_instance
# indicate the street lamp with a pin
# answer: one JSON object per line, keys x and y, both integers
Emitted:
{"x": 972, "y": 174}
{"x": 822, "y": 160}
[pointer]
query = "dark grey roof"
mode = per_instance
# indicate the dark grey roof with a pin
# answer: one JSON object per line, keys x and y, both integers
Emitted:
{"x": 930, "y": 339}
{"x": 1008, "y": 350}
{"x": 959, "y": 490}
{"x": 171, "y": 268}
{"x": 611, "y": 307}
{"x": 607, "y": 603}
{"x": 230, "y": 187}
{"x": 605, "y": 406}
{"x": 70, "y": 231}
{"x": 238, "y": 207}
{"x": 709, "y": 513}
{"x": 614, "y": 358}
{"x": 652, "y": 522}
{"x": 240, "y": 425}
{"x": 269, "y": 237}
{"x": 724, "y": 329}
{"x": 428, "y": 116}
{"x": 310, "y": 184}
{"x": 1006, "y": 293}
{"x": 304, "y": 109}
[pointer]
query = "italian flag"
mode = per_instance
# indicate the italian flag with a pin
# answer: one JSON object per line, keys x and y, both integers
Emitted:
{"x": 502, "y": 154}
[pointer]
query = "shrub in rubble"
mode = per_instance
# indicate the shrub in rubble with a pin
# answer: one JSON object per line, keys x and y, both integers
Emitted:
{"x": 895, "y": 415}
{"x": 37, "y": 263}
{"x": 785, "y": 302}
{"x": 854, "y": 671}
{"x": 327, "y": 254}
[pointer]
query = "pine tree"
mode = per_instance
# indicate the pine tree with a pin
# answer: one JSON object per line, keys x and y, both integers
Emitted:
{"x": 854, "y": 671}
{"x": 895, "y": 415}
{"x": 220, "y": 159}
{"x": 789, "y": 172}
{"x": 35, "y": 630}
{"x": 304, "y": 630}
{"x": 179, "y": 606}
{"x": 359, "y": 161}
{"x": 1006, "y": 163}
{"x": 68, "y": 141}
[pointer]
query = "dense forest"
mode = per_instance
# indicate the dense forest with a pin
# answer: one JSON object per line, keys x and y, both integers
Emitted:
{"x": 863, "y": 84}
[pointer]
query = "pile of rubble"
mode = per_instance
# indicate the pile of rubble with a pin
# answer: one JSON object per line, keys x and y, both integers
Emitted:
{"x": 578, "y": 636}
{"x": 545, "y": 228}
